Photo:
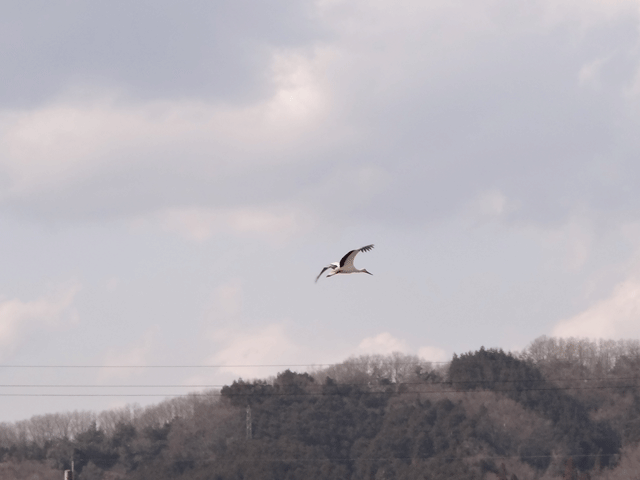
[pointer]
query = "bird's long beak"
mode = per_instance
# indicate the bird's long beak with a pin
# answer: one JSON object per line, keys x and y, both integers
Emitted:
{"x": 369, "y": 272}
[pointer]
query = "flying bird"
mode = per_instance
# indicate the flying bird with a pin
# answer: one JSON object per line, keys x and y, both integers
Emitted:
{"x": 346, "y": 264}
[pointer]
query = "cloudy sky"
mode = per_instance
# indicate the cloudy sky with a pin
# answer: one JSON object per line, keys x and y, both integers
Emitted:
{"x": 173, "y": 176}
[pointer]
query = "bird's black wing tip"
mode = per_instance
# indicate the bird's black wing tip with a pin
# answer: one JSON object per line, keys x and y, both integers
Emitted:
{"x": 344, "y": 259}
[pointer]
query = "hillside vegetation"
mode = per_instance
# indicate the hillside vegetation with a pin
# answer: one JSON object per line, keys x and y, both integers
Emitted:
{"x": 559, "y": 409}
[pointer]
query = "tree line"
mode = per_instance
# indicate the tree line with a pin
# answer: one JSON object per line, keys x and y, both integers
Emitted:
{"x": 558, "y": 409}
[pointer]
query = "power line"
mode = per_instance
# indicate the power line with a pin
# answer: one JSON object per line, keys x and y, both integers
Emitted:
{"x": 346, "y": 363}
{"x": 397, "y": 384}
{"x": 223, "y": 366}
{"x": 434, "y": 457}
{"x": 102, "y": 395}
{"x": 310, "y": 394}
{"x": 106, "y": 386}
{"x": 159, "y": 366}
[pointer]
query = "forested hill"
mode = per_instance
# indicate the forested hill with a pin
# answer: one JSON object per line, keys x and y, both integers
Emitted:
{"x": 559, "y": 409}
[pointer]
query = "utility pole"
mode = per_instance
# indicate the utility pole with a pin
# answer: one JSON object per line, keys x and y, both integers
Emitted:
{"x": 68, "y": 474}
{"x": 249, "y": 430}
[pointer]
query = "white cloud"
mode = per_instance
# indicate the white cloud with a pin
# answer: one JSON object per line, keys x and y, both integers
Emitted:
{"x": 383, "y": 343}
{"x": 568, "y": 245}
{"x": 199, "y": 224}
{"x": 358, "y": 186}
{"x": 137, "y": 354}
{"x": 342, "y": 100}
{"x": 433, "y": 354}
{"x": 617, "y": 316}
{"x": 492, "y": 204}
{"x": 73, "y": 141}
{"x": 269, "y": 345}
{"x": 632, "y": 91}
{"x": 63, "y": 143}
{"x": 228, "y": 300}
{"x": 19, "y": 318}
{"x": 589, "y": 74}
{"x": 302, "y": 94}
{"x": 587, "y": 12}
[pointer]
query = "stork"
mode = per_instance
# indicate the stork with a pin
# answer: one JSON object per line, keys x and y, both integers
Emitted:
{"x": 346, "y": 264}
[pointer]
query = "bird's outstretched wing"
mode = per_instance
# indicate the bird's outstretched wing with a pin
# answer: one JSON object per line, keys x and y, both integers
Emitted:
{"x": 331, "y": 266}
{"x": 348, "y": 258}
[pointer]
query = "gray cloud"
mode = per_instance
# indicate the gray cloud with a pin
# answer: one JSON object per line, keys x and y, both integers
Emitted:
{"x": 147, "y": 49}
{"x": 507, "y": 112}
{"x": 163, "y": 153}
{"x": 454, "y": 104}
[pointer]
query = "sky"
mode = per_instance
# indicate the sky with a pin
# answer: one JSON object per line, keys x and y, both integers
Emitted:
{"x": 174, "y": 175}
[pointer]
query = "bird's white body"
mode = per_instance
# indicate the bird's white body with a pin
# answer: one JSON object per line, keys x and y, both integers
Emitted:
{"x": 345, "y": 265}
